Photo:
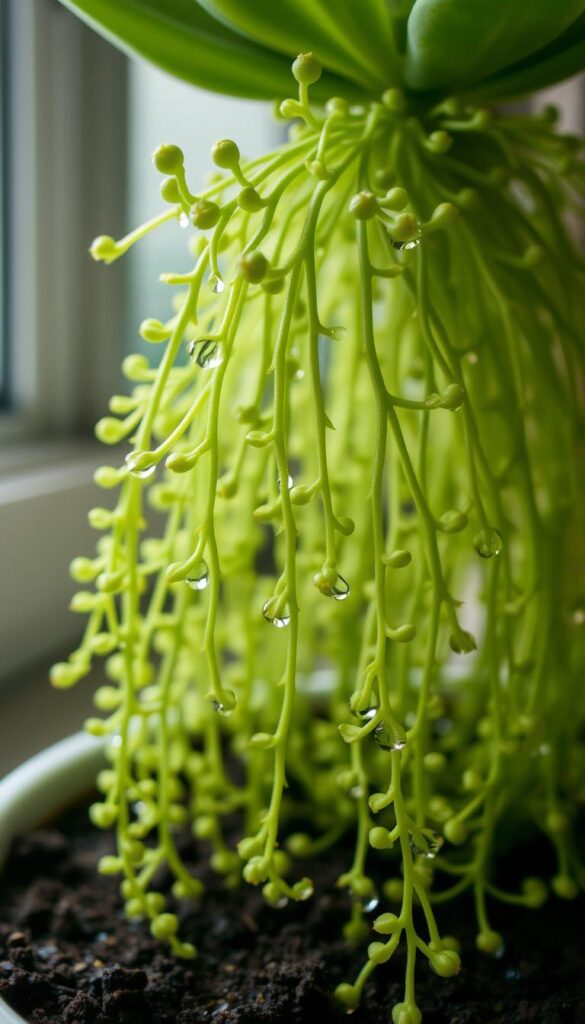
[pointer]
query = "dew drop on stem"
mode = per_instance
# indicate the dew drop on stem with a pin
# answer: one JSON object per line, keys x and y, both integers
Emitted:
{"x": 199, "y": 579}
{"x": 339, "y": 590}
{"x": 217, "y": 285}
{"x": 140, "y": 472}
{"x": 280, "y": 619}
{"x": 207, "y": 354}
{"x": 434, "y": 843}
{"x": 488, "y": 543}
{"x": 386, "y": 741}
{"x": 366, "y": 714}
{"x": 404, "y": 246}
{"x": 183, "y": 220}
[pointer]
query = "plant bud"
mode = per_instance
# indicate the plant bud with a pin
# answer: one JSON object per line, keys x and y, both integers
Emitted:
{"x": 168, "y": 159}
{"x": 306, "y": 69}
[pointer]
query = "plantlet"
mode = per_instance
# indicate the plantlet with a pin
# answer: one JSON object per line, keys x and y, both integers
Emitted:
{"x": 340, "y": 549}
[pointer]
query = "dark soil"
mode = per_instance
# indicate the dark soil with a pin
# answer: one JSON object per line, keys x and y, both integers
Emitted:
{"x": 67, "y": 956}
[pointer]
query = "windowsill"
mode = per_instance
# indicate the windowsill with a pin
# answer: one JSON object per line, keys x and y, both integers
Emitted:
{"x": 22, "y": 455}
{"x": 46, "y": 491}
{"x": 34, "y": 716}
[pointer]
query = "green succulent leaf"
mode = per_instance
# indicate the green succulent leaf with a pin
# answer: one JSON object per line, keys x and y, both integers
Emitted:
{"x": 453, "y": 44}
{"x": 355, "y": 40}
{"x": 555, "y": 63}
{"x": 183, "y": 39}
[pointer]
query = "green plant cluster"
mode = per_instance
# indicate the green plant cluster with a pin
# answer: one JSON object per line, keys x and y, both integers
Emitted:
{"x": 341, "y": 549}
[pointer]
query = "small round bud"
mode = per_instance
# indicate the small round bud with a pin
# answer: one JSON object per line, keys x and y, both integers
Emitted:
{"x": 398, "y": 559}
{"x": 406, "y": 1013}
{"x": 394, "y": 100}
{"x": 253, "y": 267}
{"x": 63, "y": 675}
{"x": 154, "y": 331}
{"x": 165, "y": 926}
{"x": 204, "y": 827}
{"x": 104, "y": 249}
{"x": 446, "y": 963}
{"x": 556, "y": 822}
{"x": 564, "y": 887}
{"x": 379, "y": 952}
{"x": 364, "y": 206}
{"x": 168, "y": 159}
{"x": 306, "y": 69}
{"x": 337, "y": 107}
{"x": 439, "y": 142}
{"x": 256, "y": 871}
{"x": 103, "y": 815}
{"x": 386, "y": 924}
{"x": 455, "y": 831}
{"x": 434, "y": 762}
{"x": 393, "y": 889}
{"x": 405, "y": 228}
{"x": 396, "y": 199}
{"x": 452, "y": 521}
{"x": 155, "y": 902}
{"x": 347, "y": 996}
{"x": 249, "y": 199}
{"x": 205, "y": 214}
{"x": 225, "y": 154}
{"x": 490, "y": 942}
{"x": 379, "y": 838}
{"x": 534, "y": 892}
{"x": 443, "y": 216}
{"x": 109, "y": 865}
{"x": 169, "y": 191}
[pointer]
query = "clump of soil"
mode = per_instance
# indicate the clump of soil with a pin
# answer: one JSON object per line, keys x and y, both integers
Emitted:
{"x": 68, "y": 956}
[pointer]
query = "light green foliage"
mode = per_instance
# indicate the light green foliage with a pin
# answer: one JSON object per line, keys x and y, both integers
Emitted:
{"x": 341, "y": 548}
{"x": 491, "y": 48}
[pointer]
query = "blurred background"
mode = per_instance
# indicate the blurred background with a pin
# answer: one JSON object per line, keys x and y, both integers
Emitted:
{"x": 78, "y": 122}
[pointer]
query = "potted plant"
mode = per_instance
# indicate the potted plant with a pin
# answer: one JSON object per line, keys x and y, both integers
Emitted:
{"x": 361, "y": 616}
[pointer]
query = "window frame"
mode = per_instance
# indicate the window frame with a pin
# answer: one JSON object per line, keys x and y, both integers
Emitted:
{"x": 66, "y": 111}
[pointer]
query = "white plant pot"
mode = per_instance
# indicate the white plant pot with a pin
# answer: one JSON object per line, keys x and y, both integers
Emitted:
{"x": 37, "y": 791}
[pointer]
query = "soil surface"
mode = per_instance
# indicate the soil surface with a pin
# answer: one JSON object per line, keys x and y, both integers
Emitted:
{"x": 67, "y": 955}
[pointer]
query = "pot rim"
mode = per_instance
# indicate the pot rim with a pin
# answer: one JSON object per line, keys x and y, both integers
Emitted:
{"x": 37, "y": 790}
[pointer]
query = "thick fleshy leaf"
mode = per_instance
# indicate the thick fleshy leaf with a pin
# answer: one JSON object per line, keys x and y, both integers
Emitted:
{"x": 356, "y": 40}
{"x": 182, "y": 38}
{"x": 560, "y": 60}
{"x": 455, "y": 44}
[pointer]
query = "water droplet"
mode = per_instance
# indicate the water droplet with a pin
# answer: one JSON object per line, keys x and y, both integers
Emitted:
{"x": 366, "y": 714}
{"x": 219, "y": 708}
{"x": 290, "y": 482}
{"x": 578, "y": 617}
{"x": 488, "y": 543}
{"x": 402, "y": 246}
{"x": 220, "y": 1008}
{"x": 280, "y": 902}
{"x": 337, "y": 333}
{"x": 434, "y": 844}
{"x": 386, "y": 741}
{"x": 207, "y": 353}
{"x": 369, "y": 903}
{"x": 350, "y": 1010}
{"x": 356, "y": 792}
{"x": 200, "y": 579}
{"x": 183, "y": 220}
{"x": 280, "y": 620}
{"x": 217, "y": 285}
{"x": 299, "y": 375}
{"x": 133, "y": 462}
{"x": 512, "y": 974}
{"x": 338, "y": 591}
{"x": 305, "y": 891}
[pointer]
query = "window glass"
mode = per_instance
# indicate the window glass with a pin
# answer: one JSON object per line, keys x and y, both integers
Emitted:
{"x": 162, "y": 109}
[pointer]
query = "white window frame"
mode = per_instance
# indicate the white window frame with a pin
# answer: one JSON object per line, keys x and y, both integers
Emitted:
{"x": 67, "y": 159}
